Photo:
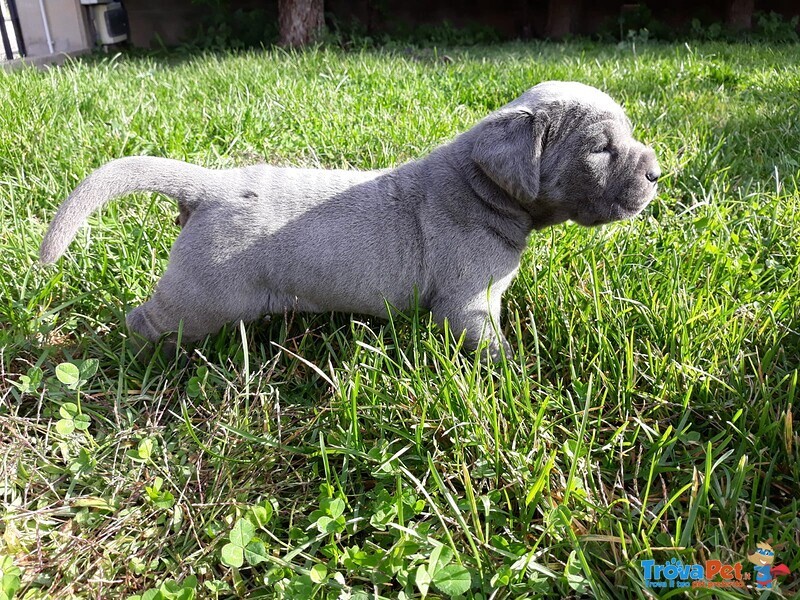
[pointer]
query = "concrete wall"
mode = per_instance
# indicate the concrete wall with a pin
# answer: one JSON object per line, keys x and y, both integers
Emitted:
{"x": 67, "y": 20}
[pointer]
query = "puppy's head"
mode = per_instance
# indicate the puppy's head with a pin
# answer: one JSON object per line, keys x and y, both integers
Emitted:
{"x": 566, "y": 151}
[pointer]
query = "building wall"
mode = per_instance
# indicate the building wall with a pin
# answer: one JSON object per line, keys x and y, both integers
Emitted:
{"x": 67, "y": 22}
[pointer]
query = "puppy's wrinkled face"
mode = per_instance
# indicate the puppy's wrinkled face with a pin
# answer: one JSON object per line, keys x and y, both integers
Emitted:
{"x": 593, "y": 169}
{"x": 565, "y": 151}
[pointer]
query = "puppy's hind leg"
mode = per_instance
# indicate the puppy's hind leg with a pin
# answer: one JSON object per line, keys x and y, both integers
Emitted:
{"x": 179, "y": 304}
{"x": 156, "y": 320}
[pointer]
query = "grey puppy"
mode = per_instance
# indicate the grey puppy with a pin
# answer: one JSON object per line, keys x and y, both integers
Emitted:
{"x": 448, "y": 228}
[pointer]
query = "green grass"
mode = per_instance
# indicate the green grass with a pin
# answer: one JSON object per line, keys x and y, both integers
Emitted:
{"x": 649, "y": 413}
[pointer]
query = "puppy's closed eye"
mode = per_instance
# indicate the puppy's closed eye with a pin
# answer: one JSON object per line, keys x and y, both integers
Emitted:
{"x": 603, "y": 146}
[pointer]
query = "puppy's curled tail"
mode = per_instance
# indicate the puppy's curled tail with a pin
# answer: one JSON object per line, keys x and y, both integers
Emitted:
{"x": 188, "y": 184}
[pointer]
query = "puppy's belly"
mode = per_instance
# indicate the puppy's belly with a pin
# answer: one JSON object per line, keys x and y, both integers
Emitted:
{"x": 277, "y": 274}
{"x": 347, "y": 261}
{"x": 364, "y": 288}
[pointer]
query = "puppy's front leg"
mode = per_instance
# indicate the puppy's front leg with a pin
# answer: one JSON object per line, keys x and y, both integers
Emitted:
{"x": 478, "y": 324}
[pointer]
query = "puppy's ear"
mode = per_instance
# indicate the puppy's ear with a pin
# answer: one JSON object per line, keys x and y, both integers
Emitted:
{"x": 509, "y": 150}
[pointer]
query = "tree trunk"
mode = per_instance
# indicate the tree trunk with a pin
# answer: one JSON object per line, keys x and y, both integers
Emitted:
{"x": 740, "y": 14}
{"x": 560, "y": 14}
{"x": 301, "y": 21}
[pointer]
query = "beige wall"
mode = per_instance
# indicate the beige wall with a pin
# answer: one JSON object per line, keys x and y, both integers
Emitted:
{"x": 68, "y": 26}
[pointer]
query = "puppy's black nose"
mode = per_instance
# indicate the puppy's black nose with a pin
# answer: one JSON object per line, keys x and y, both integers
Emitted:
{"x": 653, "y": 174}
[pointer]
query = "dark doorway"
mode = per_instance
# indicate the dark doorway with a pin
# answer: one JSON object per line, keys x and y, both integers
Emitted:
{"x": 13, "y": 46}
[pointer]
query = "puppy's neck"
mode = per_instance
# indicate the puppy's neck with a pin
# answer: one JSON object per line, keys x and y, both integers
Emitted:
{"x": 528, "y": 216}
{"x": 543, "y": 215}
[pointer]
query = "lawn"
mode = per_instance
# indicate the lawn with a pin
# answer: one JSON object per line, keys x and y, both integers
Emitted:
{"x": 648, "y": 414}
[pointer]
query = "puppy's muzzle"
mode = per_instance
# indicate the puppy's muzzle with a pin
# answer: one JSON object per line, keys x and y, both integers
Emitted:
{"x": 652, "y": 171}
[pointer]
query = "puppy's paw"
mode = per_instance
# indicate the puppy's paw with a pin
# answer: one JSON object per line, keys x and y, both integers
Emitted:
{"x": 496, "y": 350}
